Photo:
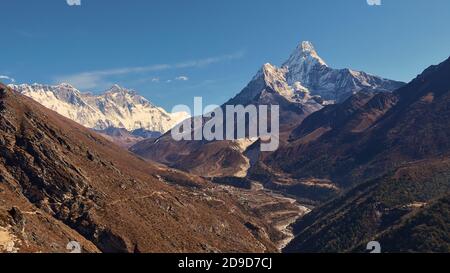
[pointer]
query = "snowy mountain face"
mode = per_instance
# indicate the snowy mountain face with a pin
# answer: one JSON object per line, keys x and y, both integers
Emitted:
{"x": 306, "y": 68}
{"x": 306, "y": 79}
{"x": 117, "y": 107}
{"x": 269, "y": 85}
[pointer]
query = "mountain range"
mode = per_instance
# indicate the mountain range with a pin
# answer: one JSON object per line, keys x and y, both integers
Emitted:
{"x": 306, "y": 74}
{"x": 361, "y": 159}
{"x": 300, "y": 87}
{"x": 393, "y": 152}
{"x": 374, "y": 164}
{"x": 307, "y": 69}
{"x": 117, "y": 108}
{"x": 61, "y": 182}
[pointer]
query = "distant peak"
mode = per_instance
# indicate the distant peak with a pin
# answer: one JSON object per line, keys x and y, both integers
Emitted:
{"x": 116, "y": 87}
{"x": 304, "y": 53}
{"x": 268, "y": 68}
{"x": 66, "y": 85}
{"x": 119, "y": 89}
{"x": 307, "y": 46}
{"x": 269, "y": 71}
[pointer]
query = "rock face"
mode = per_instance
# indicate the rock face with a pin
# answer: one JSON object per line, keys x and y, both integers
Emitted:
{"x": 116, "y": 108}
{"x": 60, "y": 182}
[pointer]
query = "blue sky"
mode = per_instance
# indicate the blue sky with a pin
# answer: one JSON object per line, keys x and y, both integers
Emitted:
{"x": 173, "y": 50}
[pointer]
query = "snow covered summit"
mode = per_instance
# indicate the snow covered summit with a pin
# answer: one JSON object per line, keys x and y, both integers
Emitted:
{"x": 307, "y": 68}
{"x": 118, "y": 107}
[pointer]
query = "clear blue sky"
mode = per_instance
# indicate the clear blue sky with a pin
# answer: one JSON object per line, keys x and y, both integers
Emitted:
{"x": 217, "y": 45}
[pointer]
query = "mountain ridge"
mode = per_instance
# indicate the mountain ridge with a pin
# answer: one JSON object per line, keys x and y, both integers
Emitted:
{"x": 395, "y": 167}
{"x": 269, "y": 86}
{"x": 117, "y": 107}
{"x": 360, "y": 131}
{"x": 56, "y": 171}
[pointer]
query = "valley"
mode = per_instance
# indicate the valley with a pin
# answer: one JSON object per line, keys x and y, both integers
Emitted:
{"x": 354, "y": 148}
{"x": 275, "y": 209}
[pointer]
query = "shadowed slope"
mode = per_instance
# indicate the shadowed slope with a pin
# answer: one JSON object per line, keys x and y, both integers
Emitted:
{"x": 96, "y": 192}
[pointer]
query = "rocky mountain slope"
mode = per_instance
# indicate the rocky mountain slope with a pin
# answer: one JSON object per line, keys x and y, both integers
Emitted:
{"x": 425, "y": 231}
{"x": 120, "y": 136}
{"x": 405, "y": 210}
{"x": 399, "y": 144}
{"x": 61, "y": 182}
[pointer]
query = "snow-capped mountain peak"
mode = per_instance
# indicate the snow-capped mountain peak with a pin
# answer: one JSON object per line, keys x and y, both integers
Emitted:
{"x": 306, "y": 67}
{"x": 305, "y": 77}
{"x": 126, "y": 97}
{"x": 119, "y": 89}
{"x": 307, "y": 46}
{"x": 269, "y": 84}
{"x": 274, "y": 77}
{"x": 305, "y": 55}
{"x": 118, "y": 107}
{"x": 65, "y": 85}
{"x": 270, "y": 73}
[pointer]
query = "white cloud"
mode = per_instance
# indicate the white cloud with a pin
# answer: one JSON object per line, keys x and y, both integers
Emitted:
{"x": 211, "y": 60}
{"x": 73, "y": 2}
{"x": 3, "y": 77}
{"x": 182, "y": 78}
{"x": 85, "y": 81}
{"x": 374, "y": 2}
{"x": 99, "y": 78}
{"x": 155, "y": 80}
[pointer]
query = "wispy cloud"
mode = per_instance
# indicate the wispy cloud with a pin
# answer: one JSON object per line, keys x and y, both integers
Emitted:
{"x": 102, "y": 78}
{"x": 73, "y": 2}
{"x": 4, "y": 77}
{"x": 182, "y": 78}
{"x": 211, "y": 60}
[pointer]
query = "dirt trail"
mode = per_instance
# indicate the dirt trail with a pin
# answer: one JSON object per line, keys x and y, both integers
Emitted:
{"x": 157, "y": 193}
